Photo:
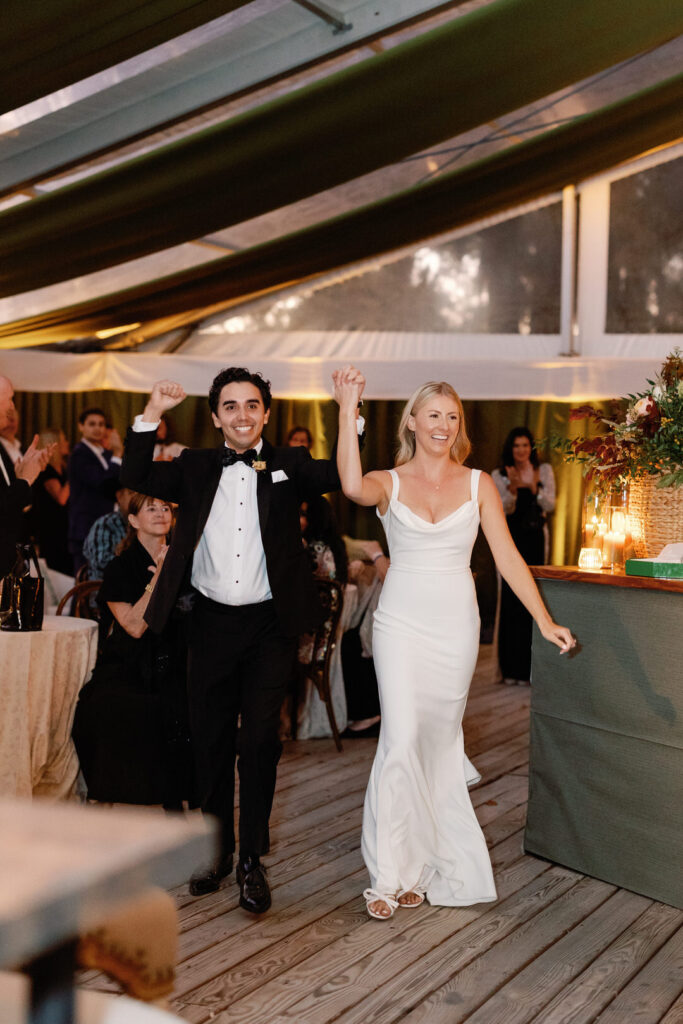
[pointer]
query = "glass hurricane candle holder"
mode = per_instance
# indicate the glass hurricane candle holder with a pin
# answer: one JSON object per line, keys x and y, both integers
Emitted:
{"x": 590, "y": 558}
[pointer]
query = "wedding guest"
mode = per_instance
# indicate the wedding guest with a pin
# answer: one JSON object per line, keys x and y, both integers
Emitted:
{"x": 300, "y": 437}
{"x": 527, "y": 489}
{"x": 8, "y": 437}
{"x": 15, "y": 482}
{"x": 105, "y": 535}
{"x": 130, "y": 729}
{"x": 421, "y": 839}
{"x": 368, "y": 566}
{"x": 167, "y": 447}
{"x": 50, "y": 498}
{"x": 324, "y": 545}
{"x": 93, "y": 472}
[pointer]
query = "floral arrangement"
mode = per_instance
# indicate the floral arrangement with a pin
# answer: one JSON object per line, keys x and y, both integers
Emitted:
{"x": 644, "y": 437}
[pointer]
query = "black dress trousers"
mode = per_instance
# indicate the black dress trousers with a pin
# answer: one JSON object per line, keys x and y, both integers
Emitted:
{"x": 239, "y": 668}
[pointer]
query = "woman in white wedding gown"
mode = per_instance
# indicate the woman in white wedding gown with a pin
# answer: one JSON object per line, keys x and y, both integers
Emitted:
{"x": 420, "y": 834}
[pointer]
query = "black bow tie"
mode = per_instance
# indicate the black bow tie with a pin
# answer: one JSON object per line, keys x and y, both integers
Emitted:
{"x": 230, "y": 456}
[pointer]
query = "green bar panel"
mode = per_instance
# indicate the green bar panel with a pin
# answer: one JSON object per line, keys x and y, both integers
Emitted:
{"x": 605, "y": 775}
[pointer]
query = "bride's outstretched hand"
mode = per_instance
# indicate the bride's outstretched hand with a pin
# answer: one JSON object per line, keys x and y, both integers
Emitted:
{"x": 560, "y": 636}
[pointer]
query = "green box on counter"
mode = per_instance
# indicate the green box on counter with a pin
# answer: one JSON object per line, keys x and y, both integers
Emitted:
{"x": 660, "y": 570}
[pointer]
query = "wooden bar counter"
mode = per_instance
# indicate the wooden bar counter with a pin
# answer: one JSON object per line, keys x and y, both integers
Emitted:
{"x": 606, "y": 764}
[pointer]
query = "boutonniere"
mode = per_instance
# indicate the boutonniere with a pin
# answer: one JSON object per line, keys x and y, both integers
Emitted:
{"x": 258, "y": 465}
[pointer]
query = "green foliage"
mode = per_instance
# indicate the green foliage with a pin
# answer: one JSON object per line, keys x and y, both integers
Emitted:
{"x": 644, "y": 437}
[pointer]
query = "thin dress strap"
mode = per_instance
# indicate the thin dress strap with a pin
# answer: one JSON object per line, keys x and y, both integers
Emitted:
{"x": 474, "y": 484}
{"x": 394, "y": 485}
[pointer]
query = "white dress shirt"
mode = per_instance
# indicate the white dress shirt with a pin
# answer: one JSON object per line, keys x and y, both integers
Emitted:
{"x": 98, "y": 450}
{"x": 13, "y": 448}
{"x": 229, "y": 563}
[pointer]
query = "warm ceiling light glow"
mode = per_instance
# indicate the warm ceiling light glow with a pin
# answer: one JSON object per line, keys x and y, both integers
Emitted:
{"x": 111, "y": 331}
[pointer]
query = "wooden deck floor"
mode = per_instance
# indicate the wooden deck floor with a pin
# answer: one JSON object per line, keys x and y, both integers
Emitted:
{"x": 556, "y": 948}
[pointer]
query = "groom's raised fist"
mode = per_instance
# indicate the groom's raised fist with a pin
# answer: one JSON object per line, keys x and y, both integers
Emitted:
{"x": 166, "y": 394}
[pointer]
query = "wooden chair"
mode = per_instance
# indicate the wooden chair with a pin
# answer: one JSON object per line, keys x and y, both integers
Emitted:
{"x": 317, "y": 668}
{"x": 83, "y": 606}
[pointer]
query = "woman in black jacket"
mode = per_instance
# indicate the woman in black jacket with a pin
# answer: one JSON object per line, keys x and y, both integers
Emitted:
{"x": 130, "y": 727}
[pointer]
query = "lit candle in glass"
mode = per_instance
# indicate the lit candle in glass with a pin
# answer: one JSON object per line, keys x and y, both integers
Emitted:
{"x": 590, "y": 558}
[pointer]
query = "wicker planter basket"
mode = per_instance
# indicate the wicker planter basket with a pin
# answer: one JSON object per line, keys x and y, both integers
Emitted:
{"x": 655, "y": 514}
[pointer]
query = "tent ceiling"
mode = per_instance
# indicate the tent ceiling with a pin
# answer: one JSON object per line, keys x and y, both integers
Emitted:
{"x": 197, "y": 82}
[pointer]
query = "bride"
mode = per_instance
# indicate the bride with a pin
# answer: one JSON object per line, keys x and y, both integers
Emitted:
{"x": 420, "y": 836}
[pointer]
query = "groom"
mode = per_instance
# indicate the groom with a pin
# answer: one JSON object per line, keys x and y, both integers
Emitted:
{"x": 237, "y": 542}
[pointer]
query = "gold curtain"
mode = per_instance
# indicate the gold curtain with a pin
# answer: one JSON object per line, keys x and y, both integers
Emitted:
{"x": 488, "y": 423}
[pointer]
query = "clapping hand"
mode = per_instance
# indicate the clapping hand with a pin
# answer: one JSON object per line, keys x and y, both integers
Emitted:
{"x": 166, "y": 394}
{"x": 33, "y": 461}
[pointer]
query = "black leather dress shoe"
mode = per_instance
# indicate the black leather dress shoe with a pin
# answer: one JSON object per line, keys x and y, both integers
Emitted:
{"x": 254, "y": 888}
{"x": 207, "y": 880}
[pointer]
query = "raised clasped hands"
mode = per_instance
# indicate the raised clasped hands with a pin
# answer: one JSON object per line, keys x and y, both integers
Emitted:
{"x": 166, "y": 394}
{"x": 348, "y": 383}
{"x": 561, "y": 636}
{"x": 33, "y": 461}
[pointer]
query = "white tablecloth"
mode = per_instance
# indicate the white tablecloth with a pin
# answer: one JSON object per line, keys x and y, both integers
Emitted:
{"x": 40, "y": 677}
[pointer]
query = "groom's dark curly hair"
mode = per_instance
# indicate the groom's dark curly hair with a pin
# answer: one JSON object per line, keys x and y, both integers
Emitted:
{"x": 238, "y": 375}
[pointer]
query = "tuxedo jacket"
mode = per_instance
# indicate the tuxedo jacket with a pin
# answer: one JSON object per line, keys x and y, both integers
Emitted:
{"x": 92, "y": 489}
{"x": 192, "y": 480}
{"x": 14, "y": 497}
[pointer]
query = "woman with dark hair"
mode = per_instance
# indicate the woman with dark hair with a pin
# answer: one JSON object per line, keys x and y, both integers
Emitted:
{"x": 322, "y": 540}
{"x": 421, "y": 839}
{"x": 527, "y": 490}
{"x": 50, "y": 498}
{"x": 130, "y": 727}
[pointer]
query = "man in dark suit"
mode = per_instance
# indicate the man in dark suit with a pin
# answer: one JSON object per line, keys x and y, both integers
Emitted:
{"x": 237, "y": 542}
{"x": 93, "y": 479}
{"x": 15, "y": 482}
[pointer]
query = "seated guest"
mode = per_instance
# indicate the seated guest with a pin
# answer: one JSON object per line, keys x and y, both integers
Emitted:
{"x": 322, "y": 541}
{"x": 368, "y": 567}
{"x": 50, "y": 497}
{"x": 130, "y": 727}
{"x": 167, "y": 448}
{"x": 300, "y": 437}
{"x": 105, "y": 535}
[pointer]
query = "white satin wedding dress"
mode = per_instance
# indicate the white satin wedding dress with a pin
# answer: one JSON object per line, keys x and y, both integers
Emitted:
{"x": 419, "y": 827}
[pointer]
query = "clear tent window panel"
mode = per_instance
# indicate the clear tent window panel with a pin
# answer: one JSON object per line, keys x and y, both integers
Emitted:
{"x": 645, "y": 265}
{"x": 503, "y": 279}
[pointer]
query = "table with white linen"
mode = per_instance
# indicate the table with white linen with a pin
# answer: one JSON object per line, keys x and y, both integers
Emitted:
{"x": 42, "y": 674}
{"x": 313, "y": 719}
{"x": 63, "y": 868}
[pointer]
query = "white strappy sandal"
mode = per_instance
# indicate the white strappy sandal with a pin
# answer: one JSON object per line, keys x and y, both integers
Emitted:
{"x": 415, "y": 891}
{"x": 372, "y": 896}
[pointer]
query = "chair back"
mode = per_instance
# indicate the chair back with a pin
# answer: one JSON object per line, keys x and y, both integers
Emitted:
{"x": 80, "y": 601}
{"x": 331, "y": 597}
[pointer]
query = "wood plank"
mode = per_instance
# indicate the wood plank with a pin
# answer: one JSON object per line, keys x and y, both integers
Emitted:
{"x": 653, "y": 990}
{"x": 595, "y": 989}
{"x": 320, "y": 989}
{"x": 414, "y": 986}
{"x": 675, "y": 1014}
{"x": 528, "y": 992}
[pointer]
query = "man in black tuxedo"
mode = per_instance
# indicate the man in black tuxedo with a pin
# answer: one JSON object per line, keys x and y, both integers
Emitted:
{"x": 237, "y": 541}
{"x": 15, "y": 482}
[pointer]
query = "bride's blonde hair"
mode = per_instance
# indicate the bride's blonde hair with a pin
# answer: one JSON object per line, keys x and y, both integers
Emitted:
{"x": 460, "y": 448}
